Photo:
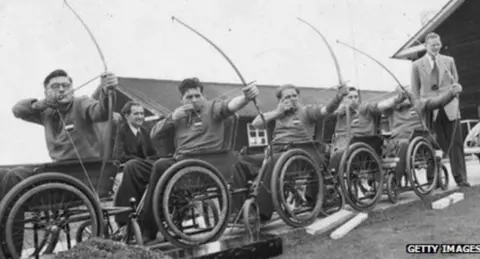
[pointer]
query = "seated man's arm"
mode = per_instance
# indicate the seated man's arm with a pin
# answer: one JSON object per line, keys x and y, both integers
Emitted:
{"x": 237, "y": 103}
{"x": 319, "y": 111}
{"x": 269, "y": 116}
{"x": 432, "y": 103}
{"x": 162, "y": 128}
{"x": 96, "y": 111}
{"x": 391, "y": 102}
{"x": 27, "y": 110}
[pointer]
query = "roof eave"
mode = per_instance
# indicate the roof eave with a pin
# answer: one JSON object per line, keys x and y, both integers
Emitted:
{"x": 431, "y": 25}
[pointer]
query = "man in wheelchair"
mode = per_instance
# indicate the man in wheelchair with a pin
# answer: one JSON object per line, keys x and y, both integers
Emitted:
{"x": 403, "y": 119}
{"x": 196, "y": 127}
{"x": 68, "y": 121}
{"x": 294, "y": 123}
{"x": 364, "y": 120}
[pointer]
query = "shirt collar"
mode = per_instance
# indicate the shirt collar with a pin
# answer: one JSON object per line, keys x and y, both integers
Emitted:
{"x": 134, "y": 130}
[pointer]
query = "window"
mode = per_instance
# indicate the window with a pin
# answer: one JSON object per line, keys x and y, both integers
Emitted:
{"x": 256, "y": 137}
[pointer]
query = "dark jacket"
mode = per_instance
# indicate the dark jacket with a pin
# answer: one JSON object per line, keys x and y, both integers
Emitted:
{"x": 127, "y": 146}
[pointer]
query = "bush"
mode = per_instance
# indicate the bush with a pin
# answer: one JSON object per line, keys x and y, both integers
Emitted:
{"x": 98, "y": 248}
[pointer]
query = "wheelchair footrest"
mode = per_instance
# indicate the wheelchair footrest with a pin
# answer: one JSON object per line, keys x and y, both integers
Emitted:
{"x": 262, "y": 246}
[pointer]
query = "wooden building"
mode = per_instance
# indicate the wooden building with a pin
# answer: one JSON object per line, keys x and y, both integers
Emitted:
{"x": 160, "y": 97}
{"x": 458, "y": 24}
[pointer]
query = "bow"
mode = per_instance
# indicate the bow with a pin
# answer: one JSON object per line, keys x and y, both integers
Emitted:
{"x": 106, "y": 148}
{"x": 340, "y": 81}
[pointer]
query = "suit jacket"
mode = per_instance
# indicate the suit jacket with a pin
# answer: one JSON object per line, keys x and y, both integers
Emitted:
{"x": 127, "y": 145}
{"x": 422, "y": 85}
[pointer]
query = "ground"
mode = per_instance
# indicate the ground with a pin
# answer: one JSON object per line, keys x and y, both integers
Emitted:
{"x": 459, "y": 223}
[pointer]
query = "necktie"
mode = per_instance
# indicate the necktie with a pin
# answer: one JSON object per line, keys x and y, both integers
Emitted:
{"x": 434, "y": 75}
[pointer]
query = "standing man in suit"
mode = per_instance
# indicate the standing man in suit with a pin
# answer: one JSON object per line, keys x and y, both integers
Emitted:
{"x": 432, "y": 75}
{"x": 133, "y": 147}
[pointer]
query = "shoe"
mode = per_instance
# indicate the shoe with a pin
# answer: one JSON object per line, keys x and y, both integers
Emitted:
{"x": 464, "y": 184}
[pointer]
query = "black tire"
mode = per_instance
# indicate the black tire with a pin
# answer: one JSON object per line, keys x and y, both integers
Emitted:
{"x": 416, "y": 145}
{"x": 277, "y": 188}
{"x": 36, "y": 181}
{"x": 84, "y": 228}
{"x": 392, "y": 188}
{"x": 136, "y": 231}
{"x": 443, "y": 177}
{"x": 346, "y": 181}
{"x": 251, "y": 217}
{"x": 29, "y": 194}
{"x": 162, "y": 193}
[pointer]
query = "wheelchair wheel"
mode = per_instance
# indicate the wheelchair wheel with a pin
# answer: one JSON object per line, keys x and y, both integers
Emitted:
{"x": 334, "y": 200}
{"x": 363, "y": 178}
{"x": 297, "y": 180}
{"x": 251, "y": 217}
{"x": 421, "y": 162}
{"x": 179, "y": 196}
{"x": 443, "y": 177}
{"x": 392, "y": 187}
{"x": 51, "y": 204}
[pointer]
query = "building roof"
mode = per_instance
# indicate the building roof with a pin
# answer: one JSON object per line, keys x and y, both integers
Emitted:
{"x": 161, "y": 96}
{"x": 415, "y": 43}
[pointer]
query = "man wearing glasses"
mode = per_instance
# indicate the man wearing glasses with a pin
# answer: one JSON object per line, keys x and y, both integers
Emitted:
{"x": 69, "y": 124}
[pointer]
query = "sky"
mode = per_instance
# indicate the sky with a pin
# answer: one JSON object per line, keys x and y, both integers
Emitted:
{"x": 138, "y": 38}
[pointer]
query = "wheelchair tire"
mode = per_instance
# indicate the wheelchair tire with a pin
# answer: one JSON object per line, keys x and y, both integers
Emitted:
{"x": 443, "y": 177}
{"x": 251, "y": 217}
{"x": 163, "y": 190}
{"x": 415, "y": 145}
{"x": 28, "y": 188}
{"x": 277, "y": 188}
{"x": 392, "y": 188}
{"x": 345, "y": 179}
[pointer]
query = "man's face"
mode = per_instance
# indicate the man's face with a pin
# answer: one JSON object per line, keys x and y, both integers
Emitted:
{"x": 290, "y": 95}
{"x": 353, "y": 98}
{"x": 59, "y": 87}
{"x": 136, "y": 116}
{"x": 194, "y": 96}
{"x": 433, "y": 46}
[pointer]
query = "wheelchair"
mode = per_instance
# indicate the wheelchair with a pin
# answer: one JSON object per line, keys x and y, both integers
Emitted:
{"x": 198, "y": 192}
{"x": 422, "y": 160}
{"x": 59, "y": 203}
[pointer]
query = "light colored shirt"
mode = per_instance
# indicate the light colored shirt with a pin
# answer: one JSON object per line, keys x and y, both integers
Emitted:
{"x": 133, "y": 129}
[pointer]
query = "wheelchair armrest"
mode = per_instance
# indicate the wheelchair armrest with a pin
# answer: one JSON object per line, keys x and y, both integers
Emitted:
{"x": 207, "y": 152}
{"x": 72, "y": 162}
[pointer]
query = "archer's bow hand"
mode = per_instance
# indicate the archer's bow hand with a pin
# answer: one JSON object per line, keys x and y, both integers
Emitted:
{"x": 250, "y": 91}
{"x": 109, "y": 81}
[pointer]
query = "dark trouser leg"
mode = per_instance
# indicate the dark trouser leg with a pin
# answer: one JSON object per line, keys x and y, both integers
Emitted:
{"x": 136, "y": 174}
{"x": 9, "y": 179}
{"x": 401, "y": 153}
{"x": 147, "y": 220}
{"x": 445, "y": 130}
{"x": 264, "y": 198}
{"x": 246, "y": 170}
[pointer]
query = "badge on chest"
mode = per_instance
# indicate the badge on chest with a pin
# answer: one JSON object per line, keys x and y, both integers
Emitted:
{"x": 69, "y": 127}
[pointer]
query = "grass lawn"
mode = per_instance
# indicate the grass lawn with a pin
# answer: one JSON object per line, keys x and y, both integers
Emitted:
{"x": 459, "y": 223}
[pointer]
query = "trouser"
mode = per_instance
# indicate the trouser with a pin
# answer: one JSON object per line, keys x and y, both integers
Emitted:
{"x": 147, "y": 219}
{"x": 136, "y": 174}
{"x": 446, "y": 134}
{"x": 10, "y": 178}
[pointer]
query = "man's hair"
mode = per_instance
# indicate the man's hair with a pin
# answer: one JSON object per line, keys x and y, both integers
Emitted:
{"x": 431, "y": 35}
{"x": 279, "y": 92}
{"x": 190, "y": 83}
{"x": 56, "y": 73}
{"x": 127, "y": 108}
